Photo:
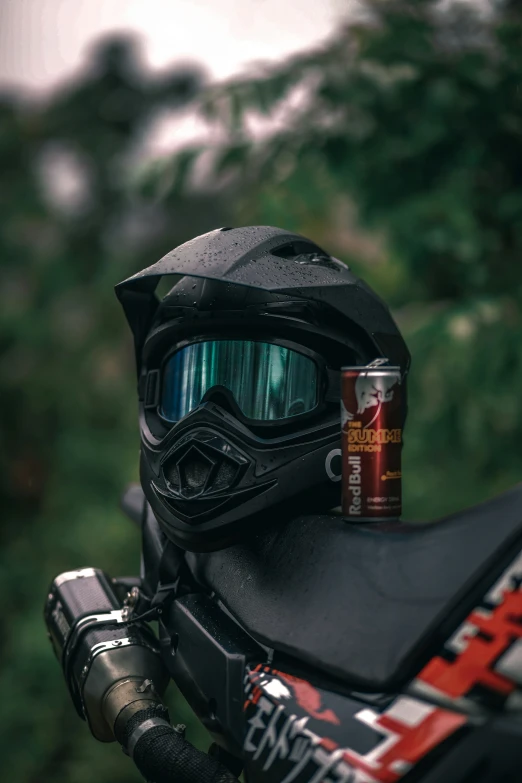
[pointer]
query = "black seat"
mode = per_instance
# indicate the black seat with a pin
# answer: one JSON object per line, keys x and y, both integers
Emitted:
{"x": 367, "y": 604}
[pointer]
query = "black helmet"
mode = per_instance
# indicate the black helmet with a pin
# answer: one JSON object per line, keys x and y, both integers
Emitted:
{"x": 239, "y": 378}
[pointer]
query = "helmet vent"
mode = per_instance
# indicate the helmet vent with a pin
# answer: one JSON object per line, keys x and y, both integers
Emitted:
{"x": 172, "y": 474}
{"x": 195, "y": 470}
{"x": 225, "y": 475}
{"x": 293, "y": 249}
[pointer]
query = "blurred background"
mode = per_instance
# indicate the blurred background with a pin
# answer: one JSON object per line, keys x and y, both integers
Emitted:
{"x": 389, "y": 131}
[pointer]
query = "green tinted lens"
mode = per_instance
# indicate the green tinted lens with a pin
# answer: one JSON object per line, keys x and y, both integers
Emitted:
{"x": 268, "y": 381}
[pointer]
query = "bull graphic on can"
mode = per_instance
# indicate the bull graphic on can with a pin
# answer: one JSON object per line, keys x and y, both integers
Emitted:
{"x": 371, "y": 423}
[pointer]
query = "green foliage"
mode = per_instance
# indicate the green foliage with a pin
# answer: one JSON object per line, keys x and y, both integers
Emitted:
{"x": 417, "y": 115}
{"x": 462, "y": 442}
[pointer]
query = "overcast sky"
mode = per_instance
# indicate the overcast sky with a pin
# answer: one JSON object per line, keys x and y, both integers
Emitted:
{"x": 43, "y": 41}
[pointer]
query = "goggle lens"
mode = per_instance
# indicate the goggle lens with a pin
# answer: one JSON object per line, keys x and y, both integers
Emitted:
{"x": 268, "y": 382}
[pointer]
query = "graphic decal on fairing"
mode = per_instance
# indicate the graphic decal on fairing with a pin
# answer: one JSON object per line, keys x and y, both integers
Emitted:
{"x": 298, "y": 733}
{"x": 482, "y": 661}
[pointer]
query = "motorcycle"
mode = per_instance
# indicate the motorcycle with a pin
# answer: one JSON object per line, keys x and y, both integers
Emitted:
{"x": 313, "y": 651}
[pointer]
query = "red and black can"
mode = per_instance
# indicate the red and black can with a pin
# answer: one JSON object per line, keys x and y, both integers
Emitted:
{"x": 371, "y": 423}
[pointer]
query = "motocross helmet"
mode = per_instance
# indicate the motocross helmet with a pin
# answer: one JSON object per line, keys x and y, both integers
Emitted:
{"x": 239, "y": 378}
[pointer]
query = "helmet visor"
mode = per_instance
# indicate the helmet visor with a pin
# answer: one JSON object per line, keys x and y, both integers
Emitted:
{"x": 268, "y": 382}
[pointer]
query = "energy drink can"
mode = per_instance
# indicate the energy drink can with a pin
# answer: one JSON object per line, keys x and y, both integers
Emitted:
{"x": 371, "y": 423}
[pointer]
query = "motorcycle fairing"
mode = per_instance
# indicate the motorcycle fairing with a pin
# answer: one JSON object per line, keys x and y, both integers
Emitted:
{"x": 296, "y": 732}
{"x": 481, "y": 663}
{"x": 453, "y": 729}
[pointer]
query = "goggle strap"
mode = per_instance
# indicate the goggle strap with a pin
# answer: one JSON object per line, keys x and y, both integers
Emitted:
{"x": 152, "y": 388}
{"x": 333, "y": 390}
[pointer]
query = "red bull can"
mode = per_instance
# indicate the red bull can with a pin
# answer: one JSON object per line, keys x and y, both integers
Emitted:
{"x": 371, "y": 423}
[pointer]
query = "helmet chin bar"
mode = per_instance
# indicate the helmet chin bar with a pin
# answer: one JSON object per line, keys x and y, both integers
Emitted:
{"x": 202, "y": 472}
{"x": 210, "y": 467}
{"x": 203, "y": 464}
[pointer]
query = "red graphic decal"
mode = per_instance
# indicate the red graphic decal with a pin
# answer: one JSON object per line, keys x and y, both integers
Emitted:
{"x": 328, "y": 744}
{"x": 405, "y": 745}
{"x": 308, "y": 698}
{"x": 256, "y": 690}
{"x": 488, "y": 637}
{"x": 409, "y": 729}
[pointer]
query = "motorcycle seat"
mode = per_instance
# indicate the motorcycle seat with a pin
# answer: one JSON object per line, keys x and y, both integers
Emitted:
{"x": 369, "y": 605}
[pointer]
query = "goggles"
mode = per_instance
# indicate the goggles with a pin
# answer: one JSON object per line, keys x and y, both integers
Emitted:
{"x": 269, "y": 382}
